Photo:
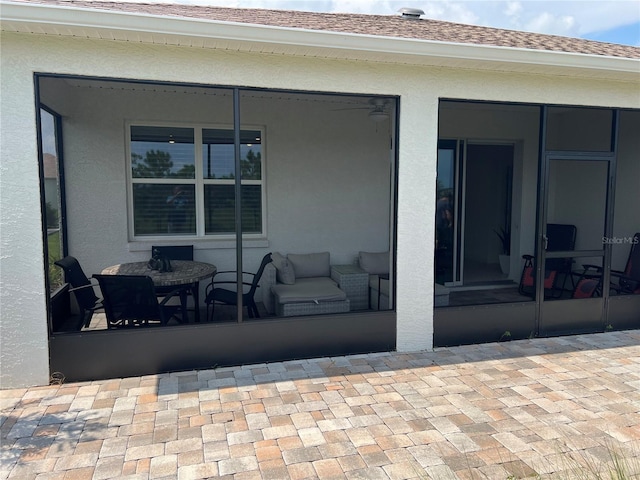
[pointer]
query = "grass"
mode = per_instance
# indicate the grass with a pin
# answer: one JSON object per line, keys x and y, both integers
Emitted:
{"x": 55, "y": 272}
{"x": 612, "y": 463}
{"x": 617, "y": 466}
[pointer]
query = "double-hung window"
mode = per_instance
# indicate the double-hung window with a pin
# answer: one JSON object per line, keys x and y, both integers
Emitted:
{"x": 183, "y": 181}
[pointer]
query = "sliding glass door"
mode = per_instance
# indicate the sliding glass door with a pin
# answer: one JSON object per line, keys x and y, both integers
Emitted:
{"x": 448, "y": 213}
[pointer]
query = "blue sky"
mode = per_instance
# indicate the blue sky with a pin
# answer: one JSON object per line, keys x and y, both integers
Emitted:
{"x": 616, "y": 21}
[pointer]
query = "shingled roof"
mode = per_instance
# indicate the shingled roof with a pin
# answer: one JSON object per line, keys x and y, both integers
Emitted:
{"x": 378, "y": 25}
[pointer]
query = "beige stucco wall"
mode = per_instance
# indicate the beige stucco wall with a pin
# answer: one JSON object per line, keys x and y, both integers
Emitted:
{"x": 23, "y": 355}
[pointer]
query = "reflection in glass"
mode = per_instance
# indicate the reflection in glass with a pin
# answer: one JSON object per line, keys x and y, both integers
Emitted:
{"x": 162, "y": 152}
{"x": 218, "y": 154}
{"x": 220, "y": 209}
{"x": 444, "y": 215}
{"x": 52, "y": 198}
{"x": 164, "y": 209}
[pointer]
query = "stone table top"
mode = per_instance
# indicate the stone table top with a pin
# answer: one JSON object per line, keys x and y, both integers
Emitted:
{"x": 184, "y": 272}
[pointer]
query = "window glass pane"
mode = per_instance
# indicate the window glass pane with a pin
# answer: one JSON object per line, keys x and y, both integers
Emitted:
{"x": 164, "y": 209}
{"x": 162, "y": 152}
{"x": 252, "y": 208}
{"x": 444, "y": 214}
{"x": 218, "y": 154}
{"x": 220, "y": 209}
{"x": 53, "y": 217}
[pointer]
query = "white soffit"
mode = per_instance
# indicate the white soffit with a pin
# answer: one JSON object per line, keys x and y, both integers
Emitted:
{"x": 199, "y": 33}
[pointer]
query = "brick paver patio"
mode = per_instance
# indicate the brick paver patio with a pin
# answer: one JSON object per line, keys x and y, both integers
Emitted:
{"x": 540, "y": 408}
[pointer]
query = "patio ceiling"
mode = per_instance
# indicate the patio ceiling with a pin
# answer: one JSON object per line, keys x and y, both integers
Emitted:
{"x": 154, "y": 29}
{"x": 337, "y": 101}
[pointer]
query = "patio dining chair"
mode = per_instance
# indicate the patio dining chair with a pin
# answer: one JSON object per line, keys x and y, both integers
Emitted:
{"x": 175, "y": 252}
{"x": 560, "y": 237}
{"x": 217, "y": 295}
{"x": 82, "y": 288}
{"x": 131, "y": 301}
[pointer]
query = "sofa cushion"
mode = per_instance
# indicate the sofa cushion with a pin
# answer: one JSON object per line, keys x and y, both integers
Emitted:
{"x": 375, "y": 263}
{"x": 310, "y": 264}
{"x": 319, "y": 289}
{"x": 284, "y": 270}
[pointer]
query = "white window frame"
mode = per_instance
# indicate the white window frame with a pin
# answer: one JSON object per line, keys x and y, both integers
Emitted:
{"x": 199, "y": 181}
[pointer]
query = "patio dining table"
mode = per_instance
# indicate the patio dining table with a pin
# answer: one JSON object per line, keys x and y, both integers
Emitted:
{"x": 185, "y": 273}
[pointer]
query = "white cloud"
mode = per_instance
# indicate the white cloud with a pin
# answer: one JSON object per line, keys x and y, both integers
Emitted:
{"x": 561, "y": 17}
{"x": 546, "y": 22}
{"x": 513, "y": 9}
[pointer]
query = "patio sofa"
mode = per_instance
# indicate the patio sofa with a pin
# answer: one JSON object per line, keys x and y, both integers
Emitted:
{"x": 301, "y": 284}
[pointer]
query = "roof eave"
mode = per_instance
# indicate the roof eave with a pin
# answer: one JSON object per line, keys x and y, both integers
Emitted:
{"x": 92, "y": 23}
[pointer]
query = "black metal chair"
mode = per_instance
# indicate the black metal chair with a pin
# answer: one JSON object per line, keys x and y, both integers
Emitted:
{"x": 132, "y": 301}
{"x": 82, "y": 288}
{"x": 230, "y": 297}
{"x": 589, "y": 285}
{"x": 627, "y": 281}
{"x": 560, "y": 237}
{"x": 176, "y": 252}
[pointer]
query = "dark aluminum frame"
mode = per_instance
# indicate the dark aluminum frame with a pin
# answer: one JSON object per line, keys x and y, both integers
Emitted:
{"x": 490, "y": 322}
{"x": 111, "y": 354}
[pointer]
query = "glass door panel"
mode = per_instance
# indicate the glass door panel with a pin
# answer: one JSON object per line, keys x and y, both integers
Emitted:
{"x": 447, "y": 214}
{"x": 54, "y": 208}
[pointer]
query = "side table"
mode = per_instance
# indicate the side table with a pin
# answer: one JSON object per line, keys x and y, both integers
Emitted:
{"x": 353, "y": 281}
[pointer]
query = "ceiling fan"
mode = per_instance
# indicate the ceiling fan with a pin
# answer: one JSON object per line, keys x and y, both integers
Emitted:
{"x": 377, "y": 109}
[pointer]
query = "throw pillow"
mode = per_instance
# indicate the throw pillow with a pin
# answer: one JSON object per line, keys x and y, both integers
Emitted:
{"x": 284, "y": 270}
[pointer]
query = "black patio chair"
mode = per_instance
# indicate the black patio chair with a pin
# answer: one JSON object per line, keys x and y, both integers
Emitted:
{"x": 131, "y": 301}
{"x": 230, "y": 297}
{"x": 82, "y": 288}
{"x": 560, "y": 237}
{"x": 627, "y": 281}
{"x": 588, "y": 285}
{"x": 175, "y": 252}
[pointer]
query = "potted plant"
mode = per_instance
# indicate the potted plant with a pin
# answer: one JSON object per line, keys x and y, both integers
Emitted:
{"x": 504, "y": 234}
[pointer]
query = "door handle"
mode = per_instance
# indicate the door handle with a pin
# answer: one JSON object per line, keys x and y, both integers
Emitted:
{"x": 546, "y": 242}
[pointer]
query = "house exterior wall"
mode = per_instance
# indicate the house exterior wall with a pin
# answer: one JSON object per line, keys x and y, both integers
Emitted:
{"x": 24, "y": 355}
